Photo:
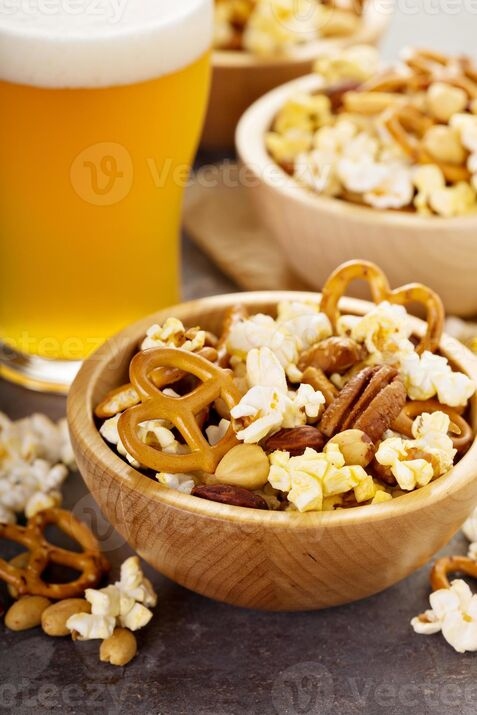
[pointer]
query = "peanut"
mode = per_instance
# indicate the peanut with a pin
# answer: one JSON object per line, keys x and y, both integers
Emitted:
{"x": 444, "y": 145}
{"x": 246, "y": 465}
{"x": 118, "y": 649}
{"x": 53, "y": 619}
{"x": 355, "y": 446}
{"x": 26, "y": 613}
{"x": 20, "y": 562}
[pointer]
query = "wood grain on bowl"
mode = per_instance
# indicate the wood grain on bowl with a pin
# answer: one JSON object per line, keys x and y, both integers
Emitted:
{"x": 317, "y": 233}
{"x": 239, "y": 78}
{"x": 248, "y": 557}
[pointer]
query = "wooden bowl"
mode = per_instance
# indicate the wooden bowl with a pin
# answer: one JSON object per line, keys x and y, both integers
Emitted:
{"x": 317, "y": 233}
{"x": 265, "y": 560}
{"x": 239, "y": 78}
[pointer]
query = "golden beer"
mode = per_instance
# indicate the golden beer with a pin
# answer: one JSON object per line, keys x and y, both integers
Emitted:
{"x": 92, "y": 177}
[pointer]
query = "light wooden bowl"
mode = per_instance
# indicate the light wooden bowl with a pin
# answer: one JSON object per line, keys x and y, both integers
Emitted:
{"x": 266, "y": 560}
{"x": 239, "y": 78}
{"x": 317, "y": 233}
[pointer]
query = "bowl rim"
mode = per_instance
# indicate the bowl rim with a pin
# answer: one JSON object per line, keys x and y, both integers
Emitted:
{"x": 374, "y": 23}
{"x": 89, "y": 443}
{"x": 250, "y": 146}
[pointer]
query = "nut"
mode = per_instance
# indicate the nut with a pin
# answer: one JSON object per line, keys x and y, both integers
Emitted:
{"x": 444, "y": 145}
{"x": 333, "y": 355}
{"x": 118, "y": 649}
{"x": 370, "y": 402}
{"x": 226, "y": 494}
{"x": 355, "y": 446}
{"x": 53, "y": 619}
{"x": 317, "y": 379}
{"x": 295, "y": 440}
{"x": 20, "y": 562}
{"x": 26, "y": 613}
{"x": 245, "y": 465}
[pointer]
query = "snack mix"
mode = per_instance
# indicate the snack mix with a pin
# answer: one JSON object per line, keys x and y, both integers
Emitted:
{"x": 401, "y": 138}
{"x": 35, "y": 456}
{"x": 309, "y": 410}
{"x": 268, "y": 28}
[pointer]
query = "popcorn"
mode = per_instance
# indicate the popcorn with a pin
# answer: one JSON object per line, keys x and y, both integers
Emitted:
{"x": 384, "y": 330}
{"x": 150, "y": 432}
{"x": 395, "y": 190}
{"x": 215, "y": 433}
{"x": 181, "y": 482}
{"x": 277, "y": 25}
{"x": 305, "y": 322}
{"x": 126, "y": 603}
{"x": 427, "y": 179}
{"x": 173, "y": 334}
{"x": 35, "y": 457}
{"x": 428, "y": 375}
{"x": 268, "y": 407}
{"x": 455, "y": 200}
{"x": 352, "y": 63}
{"x": 313, "y": 477}
{"x": 454, "y": 613}
{"x": 414, "y": 463}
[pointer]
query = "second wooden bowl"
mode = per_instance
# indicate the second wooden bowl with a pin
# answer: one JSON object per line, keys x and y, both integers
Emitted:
{"x": 317, "y": 233}
{"x": 267, "y": 560}
{"x": 239, "y": 78}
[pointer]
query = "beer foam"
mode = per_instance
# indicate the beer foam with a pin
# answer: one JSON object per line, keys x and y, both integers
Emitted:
{"x": 100, "y": 43}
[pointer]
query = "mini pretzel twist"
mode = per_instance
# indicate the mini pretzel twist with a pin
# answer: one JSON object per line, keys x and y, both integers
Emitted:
{"x": 90, "y": 563}
{"x": 336, "y": 285}
{"x": 180, "y": 411}
{"x": 460, "y": 431}
{"x": 443, "y": 568}
{"x": 124, "y": 397}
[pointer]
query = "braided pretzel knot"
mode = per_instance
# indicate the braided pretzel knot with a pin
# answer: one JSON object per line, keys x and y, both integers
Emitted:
{"x": 441, "y": 570}
{"x": 90, "y": 563}
{"x": 340, "y": 279}
{"x": 180, "y": 411}
{"x": 460, "y": 430}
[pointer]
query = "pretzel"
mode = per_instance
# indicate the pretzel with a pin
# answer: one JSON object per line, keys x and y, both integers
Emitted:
{"x": 340, "y": 279}
{"x": 180, "y": 411}
{"x": 124, "y": 397}
{"x": 90, "y": 563}
{"x": 460, "y": 430}
{"x": 439, "y": 576}
{"x": 233, "y": 315}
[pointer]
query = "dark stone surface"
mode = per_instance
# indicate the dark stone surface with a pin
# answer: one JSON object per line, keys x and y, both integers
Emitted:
{"x": 203, "y": 658}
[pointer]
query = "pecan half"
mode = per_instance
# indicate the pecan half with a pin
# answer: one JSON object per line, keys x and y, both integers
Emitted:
{"x": 235, "y": 496}
{"x": 295, "y": 440}
{"x": 317, "y": 379}
{"x": 370, "y": 402}
{"x": 333, "y": 355}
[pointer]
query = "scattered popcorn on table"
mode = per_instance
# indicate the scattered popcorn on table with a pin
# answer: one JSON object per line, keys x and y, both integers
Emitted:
{"x": 127, "y": 603}
{"x": 453, "y": 612}
{"x": 35, "y": 458}
{"x": 384, "y": 142}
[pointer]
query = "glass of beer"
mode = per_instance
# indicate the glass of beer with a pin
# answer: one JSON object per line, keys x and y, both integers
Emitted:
{"x": 102, "y": 105}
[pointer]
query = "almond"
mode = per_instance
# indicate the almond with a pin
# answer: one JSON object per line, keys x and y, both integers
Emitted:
{"x": 225, "y": 494}
{"x": 295, "y": 440}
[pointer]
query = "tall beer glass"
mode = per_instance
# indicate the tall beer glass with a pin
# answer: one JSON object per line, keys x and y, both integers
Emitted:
{"x": 101, "y": 108}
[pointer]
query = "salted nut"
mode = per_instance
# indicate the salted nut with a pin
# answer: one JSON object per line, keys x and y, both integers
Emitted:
{"x": 226, "y": 494}
{"x": 333, "y": 355}
{"x": 246, "y": 465}
{"x": 370, "y": 402}
{"x": 295, "y": 440}
{"x": 355, "y": 446}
